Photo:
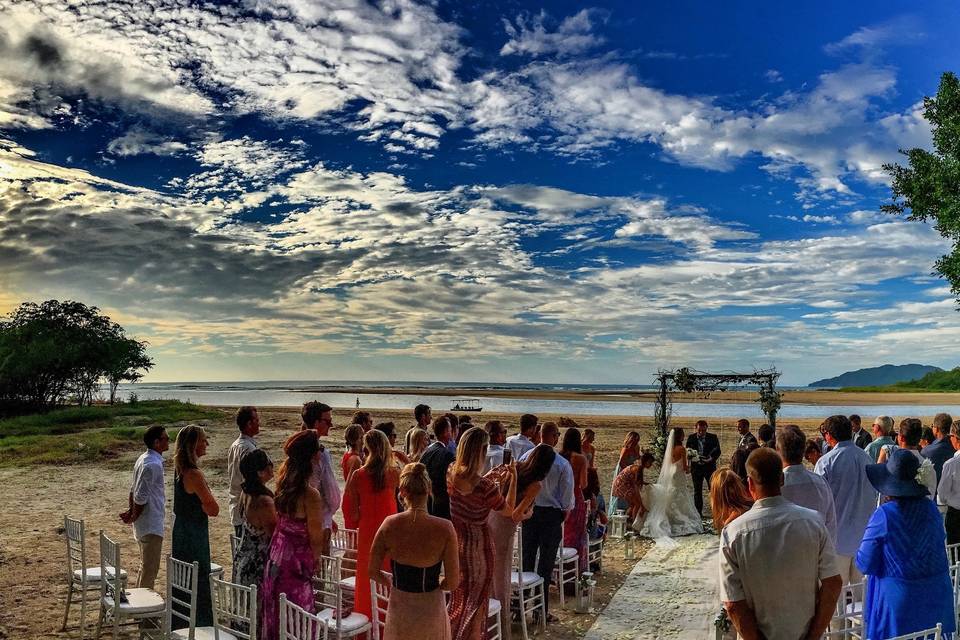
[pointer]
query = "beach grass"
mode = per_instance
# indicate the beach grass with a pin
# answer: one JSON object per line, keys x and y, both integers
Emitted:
{"x": 83, "y": 434}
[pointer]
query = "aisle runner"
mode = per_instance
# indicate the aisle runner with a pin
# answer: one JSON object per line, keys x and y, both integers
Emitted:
{"x": 670, "y": 594}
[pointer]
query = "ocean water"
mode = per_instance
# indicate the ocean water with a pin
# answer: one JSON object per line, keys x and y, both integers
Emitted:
{"x": 289, "y": 394}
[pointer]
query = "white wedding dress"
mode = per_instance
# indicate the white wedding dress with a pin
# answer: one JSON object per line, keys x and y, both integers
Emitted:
{"x": 670, "y": 508}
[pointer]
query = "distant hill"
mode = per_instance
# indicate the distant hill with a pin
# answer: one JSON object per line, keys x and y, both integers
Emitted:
{"x": 882, "y": 376}
{"x": 934, "y": 381}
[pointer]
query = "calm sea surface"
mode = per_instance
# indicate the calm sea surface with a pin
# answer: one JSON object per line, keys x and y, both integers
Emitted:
{"x": 291, "y": 394}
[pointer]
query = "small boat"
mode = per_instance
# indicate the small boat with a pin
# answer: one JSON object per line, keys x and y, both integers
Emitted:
{"x": 466, "y": 405}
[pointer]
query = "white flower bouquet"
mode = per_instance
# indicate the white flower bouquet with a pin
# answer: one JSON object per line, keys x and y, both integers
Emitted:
{"x": 926, "y": 473}
{"x": 693, "y": 455}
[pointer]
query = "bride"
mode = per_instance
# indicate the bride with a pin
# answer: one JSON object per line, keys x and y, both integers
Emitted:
{"x": 670, "y": 509}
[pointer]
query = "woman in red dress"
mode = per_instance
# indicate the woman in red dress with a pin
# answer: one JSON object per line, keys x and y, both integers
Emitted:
{"x": 370, "y": 496}
{"x": 472, "y": 498}
{"x": 351, "y": 461}
{"x": 575, "y": 525}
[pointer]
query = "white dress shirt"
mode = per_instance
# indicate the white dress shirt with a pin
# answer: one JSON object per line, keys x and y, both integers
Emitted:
{"x": 557, "y": 490}
{"x": 494, "y": 457}
{"x": 854, "y": 498}
{"x": 148, "y": 492}
{"x": 519, "y": 445}
{"x": 325, "y": 482}
{"x": 240, "y": 446}
{"x": 948, "y": 492}
{"x": 760, "y": 563}
{"x": 807, "y": 489}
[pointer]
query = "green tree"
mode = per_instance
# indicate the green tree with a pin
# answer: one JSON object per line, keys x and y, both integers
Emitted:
{"x": 128, "y": 362}
{"x": 929, "y": 187}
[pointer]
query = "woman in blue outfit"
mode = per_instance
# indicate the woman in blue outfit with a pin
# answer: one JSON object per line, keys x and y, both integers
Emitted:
{"x": 904, "y": 556}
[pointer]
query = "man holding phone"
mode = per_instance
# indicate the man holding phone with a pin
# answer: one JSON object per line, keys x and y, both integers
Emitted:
{"x": 497, "y": 454}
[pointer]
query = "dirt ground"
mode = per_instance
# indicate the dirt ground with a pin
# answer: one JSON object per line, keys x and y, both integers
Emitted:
{"x": 35, "y": 500}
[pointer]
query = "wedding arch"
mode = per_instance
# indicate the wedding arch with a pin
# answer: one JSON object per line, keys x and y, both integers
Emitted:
{"x": 688, "y": 380}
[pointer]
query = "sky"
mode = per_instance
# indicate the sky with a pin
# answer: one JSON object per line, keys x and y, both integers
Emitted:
{"x": 491, "y": 191}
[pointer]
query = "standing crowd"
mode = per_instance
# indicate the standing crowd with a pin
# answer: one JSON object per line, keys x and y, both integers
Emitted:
{"x": 436, "y": 520}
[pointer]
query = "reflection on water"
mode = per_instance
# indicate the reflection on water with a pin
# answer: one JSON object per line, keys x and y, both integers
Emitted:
{"x": 267, "y": 397}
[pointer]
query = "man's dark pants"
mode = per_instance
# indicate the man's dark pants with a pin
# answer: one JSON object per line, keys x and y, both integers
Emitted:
{"x": 700, "y": 473}
{"x": 952, "y": 524}
{"x": 543, "y": 532}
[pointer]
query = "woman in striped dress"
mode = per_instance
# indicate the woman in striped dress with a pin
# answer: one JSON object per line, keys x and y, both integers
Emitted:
{"x": 472, "y": 498}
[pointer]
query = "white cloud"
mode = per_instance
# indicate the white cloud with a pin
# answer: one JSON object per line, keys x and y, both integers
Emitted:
{"x": 773, "y": 76}
{"x": 530, "y": 35}
{"x": 900, "y": 30}
{"x": 139, "y": 140}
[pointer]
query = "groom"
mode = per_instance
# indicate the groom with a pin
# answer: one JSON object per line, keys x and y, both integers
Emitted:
{"x": 707, "y": 446}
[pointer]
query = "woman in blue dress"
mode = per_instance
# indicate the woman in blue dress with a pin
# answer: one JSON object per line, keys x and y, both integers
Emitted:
{"x": 903, "y": 554}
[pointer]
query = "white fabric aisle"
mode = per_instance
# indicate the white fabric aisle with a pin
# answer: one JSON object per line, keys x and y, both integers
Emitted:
{"x": 670, "y": 594}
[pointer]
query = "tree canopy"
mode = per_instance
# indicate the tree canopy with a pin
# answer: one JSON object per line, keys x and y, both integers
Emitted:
{"x": 929, "y": 187}
{"x": 54, "y": 351}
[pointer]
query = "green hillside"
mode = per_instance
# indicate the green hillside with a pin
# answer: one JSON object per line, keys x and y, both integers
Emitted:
{"x": 934, "y": 381}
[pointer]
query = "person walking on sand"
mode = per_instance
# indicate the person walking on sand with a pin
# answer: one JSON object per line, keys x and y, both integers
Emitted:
{"x": 248, "y": 421}
{"x": 147, "y": 502}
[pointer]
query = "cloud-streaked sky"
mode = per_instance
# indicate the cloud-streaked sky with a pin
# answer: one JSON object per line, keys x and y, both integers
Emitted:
{"x": 338, "y": 189}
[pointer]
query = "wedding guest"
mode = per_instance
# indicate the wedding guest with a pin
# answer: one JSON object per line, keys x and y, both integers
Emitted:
{"x": 767, "y": 436}
{"x": 629, "y": 453}
{"x": 746, "y": 438}
{"x": 729, "y": 498}
{"x": 248, "y": 421}
{"x": 948, "y": 491}
{"x": 812, "y": 452}
{"x": 575, "y": 522}
{"x": 597, "y": 515}
{"x": 543, "y": 532}
{"x": 390, "y": 430}
{"x": 417, "y": 442}
{"x": 530, "y": 475}
{"x": 371, "y": 498}
{"x": 802, "y": 487}
{"x": 908, "y": 438}
{"x": 707, "y": 446}
{"x": 854, "y": 498}
{"x": 472, "y": 498}
{"x": 882, "y": 436}
{"x": 363, "y": 419}
{"x": 259, "y": 515}
{"x": 861, "y": 437}
{"x": 147, "y": 504}
{"x": 903, "y": 553}
{"x": 522, "y": 442}
{"x": 193, "y": 504}
{"x": 421, "y": 548}
{"x": 353, "y": 457}
{"x": 498, "y": 438}
{"x": 300, "y": 535}
{"x": 926, "y": 437}
{"x": 454, "y": 431}
{"x": 423, "y": 416}
{"x": 589, "y": 436}
{"x": 437, "y": 459}
{"x": 766, "y": 593}
{"x": 536, "y": 439}
{"x": 319, "y": 418}
{"x": 939, "y": 450}
{"x": 738, "y": 460}
{"x": 629, "y": 483}
{"x": 465, "y": 421}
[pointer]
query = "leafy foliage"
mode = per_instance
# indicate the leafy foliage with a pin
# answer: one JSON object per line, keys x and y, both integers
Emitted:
{"x": 929, "y": 187}
{"x": 934, "y": 381}
{"x": 54, "y": 350}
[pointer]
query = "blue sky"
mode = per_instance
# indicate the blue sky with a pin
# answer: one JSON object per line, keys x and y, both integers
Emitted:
{"x": 497, "y": 191}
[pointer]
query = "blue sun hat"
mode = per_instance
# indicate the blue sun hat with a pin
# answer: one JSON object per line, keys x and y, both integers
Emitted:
{"x": 899, "y": 476}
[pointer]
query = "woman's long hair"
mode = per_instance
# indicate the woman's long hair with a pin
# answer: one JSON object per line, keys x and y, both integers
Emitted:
{"x": 728, "y": 497}
{"x": 572, "y": 443}
{"x": 632, "y": 436}
{"x": 185, "y": 449}
{"x": 379, "y": 457}
{"x": 417, "y": 442}
{"x": 471, "y": 452}
{"x": 295, "y": 472}
{"x": 251, "y": 464}
{"x": 353, "y": 437}
{"x": 535, "y": 468}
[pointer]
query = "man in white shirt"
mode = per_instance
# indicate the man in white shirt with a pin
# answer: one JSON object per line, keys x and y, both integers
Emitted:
{"x": 498, "y": 436}
{"x": 522, "y": 442}
{"x": 147, "y": 502}
{"x": 778, "y": 575}
{"x": 319, "y": 417}
{"x": 802, "y": 487}
{"x": 948, "y": 491}
{"x": 746, "y": 438}
{"x": 248, "y": 421}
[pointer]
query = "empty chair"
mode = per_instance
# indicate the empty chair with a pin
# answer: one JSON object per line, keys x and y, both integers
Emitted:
{"x": 82, "y": 581}
{"x": 122, "y": 606}
{"x": 493, "y": 620}
{"x": 379, "y": 599}
{"x": 234, "y": 612}
{"x": 527, "y": 592}
{"x": 933, "y": 633}
{"x": 343, "y": 545}
{"x": 595, "y": 554}
{"x": 953, "y": 553}
{"x": 181, "y": 598}
{"x": 328, "y": 596}
{"x": 296, "y": 623}
{"x": 567, "y": 568}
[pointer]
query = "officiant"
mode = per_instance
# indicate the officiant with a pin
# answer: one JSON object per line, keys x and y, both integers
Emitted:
{"x": 704, "y": 463}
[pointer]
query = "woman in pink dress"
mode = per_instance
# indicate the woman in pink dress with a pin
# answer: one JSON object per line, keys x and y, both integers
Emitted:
{"x": 298, "y": 539}
{"x": 472, "y": 498}
{"x": 351, "y": 461}
{"x": 370, "y": 497}
{"x": 575, "y": 525}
